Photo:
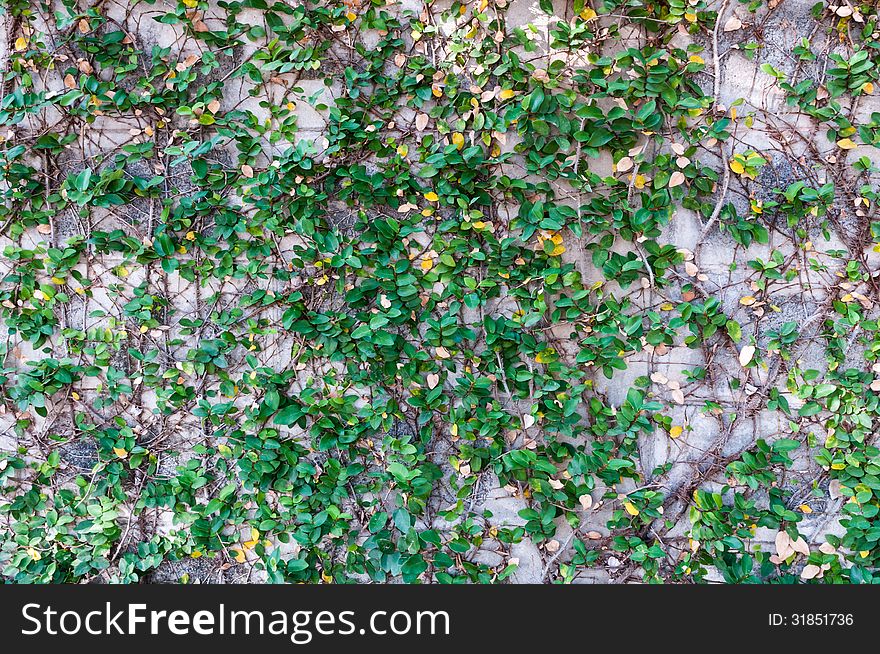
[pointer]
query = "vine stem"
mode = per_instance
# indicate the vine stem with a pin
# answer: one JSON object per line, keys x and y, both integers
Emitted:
{"x": 725, "y": 152}
{"x": 715, "y": 61}
{"x": 556, "y": 555}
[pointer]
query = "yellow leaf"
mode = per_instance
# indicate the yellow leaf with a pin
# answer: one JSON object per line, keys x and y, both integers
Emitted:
{"x": 454, "y": 430}
{"x": 20, "y": 44}
{"x": 747, "y": 301}
{"x": 430, "y": 196}
{"x": 846, "y": 144}
{"x": 402, "y": 150}
{"x": 640, "y": 181}
{"x": 191, "y": 3}
{"x": 737, "y": 167}
{"x": 696, "y": 59}
{"x": 427, "y": 264}
{"x": 57, "y": 280}
{"x": 545, "y": 356}
{"x": 120, "y": 452}
{"x": 666, "y": 306}
{"x": 239, "y": 555}
{"x": 255, "y": 538}
{"x": 868, "y": 88}
{"x": 691, "y": 18}
{"x": 458, "y": 140}
{"x": 676, "y": 431}
{"x": 506, "y": 94}
{"x": 864, "y": 553}
{"x": 588, "y": 14}
{"x": 805, "y": 508}
{"x": 630, "y": 508}
{"x": 350, "y": 15}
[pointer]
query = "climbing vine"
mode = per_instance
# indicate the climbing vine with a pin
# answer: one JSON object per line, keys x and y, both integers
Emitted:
{"x": 369, "y": 290}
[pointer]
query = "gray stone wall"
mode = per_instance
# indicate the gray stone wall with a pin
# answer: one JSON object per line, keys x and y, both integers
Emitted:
{"x": 794, "y": 145}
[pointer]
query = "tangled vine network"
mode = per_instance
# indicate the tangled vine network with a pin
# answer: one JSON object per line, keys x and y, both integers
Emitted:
{"x": 433, "y": 291}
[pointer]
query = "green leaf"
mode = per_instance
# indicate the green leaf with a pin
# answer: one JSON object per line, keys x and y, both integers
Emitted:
{"x": 289, "y": 415}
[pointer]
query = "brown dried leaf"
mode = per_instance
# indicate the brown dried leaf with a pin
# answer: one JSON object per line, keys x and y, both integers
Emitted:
{"x": 733, "y": 24}
{"x": 800, "y": 546}
{"x": 676, "y": 179}
{"x": 784, "y": 547}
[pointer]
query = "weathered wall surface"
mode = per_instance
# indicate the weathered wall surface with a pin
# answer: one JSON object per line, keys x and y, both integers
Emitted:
{"x": 718, "y": 397}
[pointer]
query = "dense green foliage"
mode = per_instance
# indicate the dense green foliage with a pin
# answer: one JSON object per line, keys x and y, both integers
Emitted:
{"x": 308, "y": 353}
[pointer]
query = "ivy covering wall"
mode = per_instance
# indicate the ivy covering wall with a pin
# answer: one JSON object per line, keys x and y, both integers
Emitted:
{"x": 441, "y": 292}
